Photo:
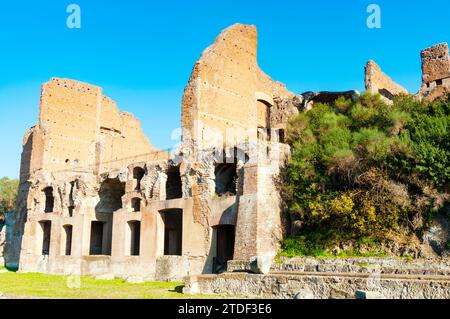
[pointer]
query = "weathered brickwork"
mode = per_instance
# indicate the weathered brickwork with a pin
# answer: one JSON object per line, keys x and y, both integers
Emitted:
{"x": 435, "y": 77}
{"x": 378, "y": 82}
{"x": 97, "y": 198}
{"x": 435, "y": 72}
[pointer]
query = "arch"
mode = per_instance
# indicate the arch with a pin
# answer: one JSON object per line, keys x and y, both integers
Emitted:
{"x": 263, "y": 114}
{"x": 261, "y": 96}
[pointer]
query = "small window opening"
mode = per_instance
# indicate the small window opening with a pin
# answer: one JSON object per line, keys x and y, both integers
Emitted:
{"x": 71, "y": 201}
{"x": 136, "y": 204}
{"x": 138, "y": 174}
{"x": 173, "y": 184}
{"x": 49, "y": 199}
{"x": 68, "y": 239}
{"x": 226, "y": 179}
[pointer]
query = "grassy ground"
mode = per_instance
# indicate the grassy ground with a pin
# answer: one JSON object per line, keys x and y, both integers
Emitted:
{"x": 50, "y": 286}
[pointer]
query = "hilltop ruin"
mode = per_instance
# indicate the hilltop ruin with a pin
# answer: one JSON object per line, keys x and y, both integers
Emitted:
{"x": 435, "y": 76}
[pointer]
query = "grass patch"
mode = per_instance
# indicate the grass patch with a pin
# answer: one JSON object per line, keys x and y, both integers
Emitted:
{"x": 52, "y": 286}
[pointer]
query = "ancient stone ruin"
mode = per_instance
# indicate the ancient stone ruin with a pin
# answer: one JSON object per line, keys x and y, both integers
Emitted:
{"x": 435, "y": 76}
{"x": 96, "y": 198}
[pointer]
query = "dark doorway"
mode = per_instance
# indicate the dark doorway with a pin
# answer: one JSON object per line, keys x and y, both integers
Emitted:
{"x": 135, "y": 237}
{"x": 226, "y": 179}
{"x": 46, "y": 236}
{"x": 138, "y": 174}
{"x": 225, "y": 247}
{"x": 136, "y": 204}
{"x": 68, "y": 242}
{"x": 173, "y": 184}
{"x": 173, "y": 232}
{"x": 96, "y": 243}
{"x": 49, "y": 199}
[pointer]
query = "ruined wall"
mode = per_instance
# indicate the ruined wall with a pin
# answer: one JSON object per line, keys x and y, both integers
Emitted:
{"x": 80, "y": 127}
{"x": 80, "y": 135}
{"x": 378, "y": 82}
{"x": 435, "y": 72}
{"x": 224, "y": 88}
{"x": 293, "y": 285}
{"x": 435, "y": 63}
{"x": 227, "y": 99}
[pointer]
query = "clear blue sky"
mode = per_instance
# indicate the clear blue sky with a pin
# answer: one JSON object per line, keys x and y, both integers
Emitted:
{"x": 142, "y": 52}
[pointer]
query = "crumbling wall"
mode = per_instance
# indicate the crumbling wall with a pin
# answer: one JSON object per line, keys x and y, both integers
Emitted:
{"x": 224, "y": 88}
{"x": 378, "y": 82}
{"x": 227, "y": 99}
{"x": 435, "y": 63}
{"x": 435, "y": 72}
{"x": 80, "y": 135}
{"x": 82, "y": 128}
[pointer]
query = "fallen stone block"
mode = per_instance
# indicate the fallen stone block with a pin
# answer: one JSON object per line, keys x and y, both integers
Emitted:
{"x": 261, "y": 264}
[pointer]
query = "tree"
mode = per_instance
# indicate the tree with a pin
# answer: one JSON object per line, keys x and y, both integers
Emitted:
{"x": 8, "y": 196}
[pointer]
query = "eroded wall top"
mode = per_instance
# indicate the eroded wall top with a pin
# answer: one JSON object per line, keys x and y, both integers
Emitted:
{"x": 435, "y": 63}
{"x": 224, "y": 88}
{"x": 80, "y": 128}
{"x": 377, "y": 82}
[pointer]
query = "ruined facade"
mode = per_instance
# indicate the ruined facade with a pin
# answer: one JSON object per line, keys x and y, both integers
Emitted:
{"x": 435, "y": 76}
{"x": 96, "y": 198}
{"x": 378, "y": 82}
{"x": 435, "y": 71}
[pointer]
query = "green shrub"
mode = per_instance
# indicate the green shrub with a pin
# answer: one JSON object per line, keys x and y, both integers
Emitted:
{"x": 361, "y": 168}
